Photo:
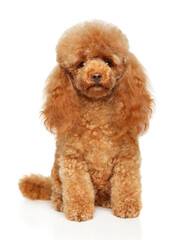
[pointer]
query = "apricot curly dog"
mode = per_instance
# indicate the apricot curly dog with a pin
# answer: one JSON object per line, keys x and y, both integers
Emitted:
{"x": 97, "y": 104}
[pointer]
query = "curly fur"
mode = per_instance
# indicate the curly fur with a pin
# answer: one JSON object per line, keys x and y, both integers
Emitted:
{"x": 97, "y": 126}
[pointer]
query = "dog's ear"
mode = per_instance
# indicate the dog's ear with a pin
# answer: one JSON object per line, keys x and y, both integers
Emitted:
{"x": 60, "y": 109}
{"x": 135, "y": 102}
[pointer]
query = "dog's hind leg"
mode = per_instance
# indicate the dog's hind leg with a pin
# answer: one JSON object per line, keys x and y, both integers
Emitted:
{"x": 56, "y": 196}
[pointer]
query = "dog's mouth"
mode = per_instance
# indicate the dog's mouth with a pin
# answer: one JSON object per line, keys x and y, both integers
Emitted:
{"x": 97, "y": 86}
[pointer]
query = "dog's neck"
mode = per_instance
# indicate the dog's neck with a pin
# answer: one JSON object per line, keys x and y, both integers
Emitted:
{"x": 97, "y": 111}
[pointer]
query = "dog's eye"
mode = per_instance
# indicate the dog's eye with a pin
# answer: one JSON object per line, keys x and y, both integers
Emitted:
{"x": 109, "y": 63}
{"x": 82, "y": 64}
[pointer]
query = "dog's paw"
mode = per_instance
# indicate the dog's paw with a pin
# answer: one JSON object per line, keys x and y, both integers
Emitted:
{"x": 79, "y": 213}
{"x": 123, "y": 210}
{"x": 56, "y": 202}
{"x": 126, "y": 213}
{"x": 79, "y": 217}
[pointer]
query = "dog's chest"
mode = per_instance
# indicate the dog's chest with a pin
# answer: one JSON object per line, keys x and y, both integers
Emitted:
{"x": 99, "y": 151}
{"x": 98, "y": 139}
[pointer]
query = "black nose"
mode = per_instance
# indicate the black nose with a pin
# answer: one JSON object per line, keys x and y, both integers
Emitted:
{"x": 96, "y": 77}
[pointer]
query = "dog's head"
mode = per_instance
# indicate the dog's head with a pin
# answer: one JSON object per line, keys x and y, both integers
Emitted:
{"x": 94, "y": 55}
{"x": 94, "y": 61}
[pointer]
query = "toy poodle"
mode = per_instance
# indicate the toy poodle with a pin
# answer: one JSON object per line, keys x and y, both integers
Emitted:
{"x": 97, "y": 104}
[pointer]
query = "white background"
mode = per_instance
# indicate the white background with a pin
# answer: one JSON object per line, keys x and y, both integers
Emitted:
{"x": 28, "y": 34}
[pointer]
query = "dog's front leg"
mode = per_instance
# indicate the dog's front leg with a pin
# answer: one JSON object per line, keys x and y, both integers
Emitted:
{"x": 77, "y": 189}
{"x": 126, "y": 183}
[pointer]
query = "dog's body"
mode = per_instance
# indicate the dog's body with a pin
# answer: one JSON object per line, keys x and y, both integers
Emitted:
{"x": 97, "y": 103}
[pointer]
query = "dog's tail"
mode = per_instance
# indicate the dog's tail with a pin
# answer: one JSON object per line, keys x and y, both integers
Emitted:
{"x": 36, "y": 187}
